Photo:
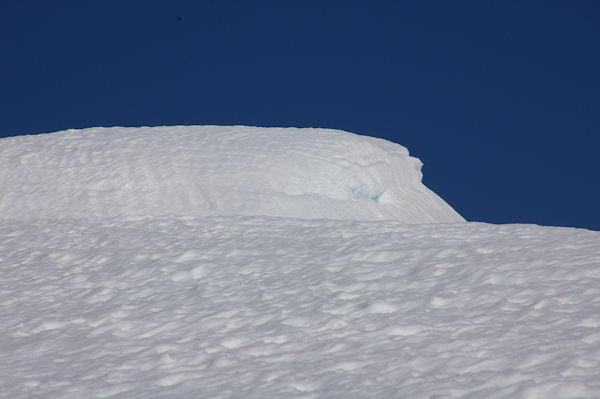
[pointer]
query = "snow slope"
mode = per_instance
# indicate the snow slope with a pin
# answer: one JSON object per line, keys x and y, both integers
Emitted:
{"x": 214, "y": 170}
{"x": 146, "y": 263}
{"x": 257, "y": 307}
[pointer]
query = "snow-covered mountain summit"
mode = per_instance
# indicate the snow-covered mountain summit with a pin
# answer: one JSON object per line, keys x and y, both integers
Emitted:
{"x": 196, "y": 299}
{"x": 213, "y": 170}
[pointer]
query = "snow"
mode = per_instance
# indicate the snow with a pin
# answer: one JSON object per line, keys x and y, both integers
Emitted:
{"x": 105, "y": 302}
{"x": 214, "y": 170}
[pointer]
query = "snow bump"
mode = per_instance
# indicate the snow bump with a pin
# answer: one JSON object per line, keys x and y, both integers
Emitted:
{"x": 214, "y": 170}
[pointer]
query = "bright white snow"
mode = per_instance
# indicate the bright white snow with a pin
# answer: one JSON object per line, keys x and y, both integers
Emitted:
{"x": 222, "y": 306}
{"x": 214, "y": 170}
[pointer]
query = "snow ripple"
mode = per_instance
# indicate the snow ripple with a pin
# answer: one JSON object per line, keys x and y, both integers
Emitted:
{"x": 214, "y": 170}
{"x": 260, "y": 307}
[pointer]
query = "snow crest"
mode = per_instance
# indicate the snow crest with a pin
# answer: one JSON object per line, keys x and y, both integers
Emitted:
{"x": 213, "y": 170}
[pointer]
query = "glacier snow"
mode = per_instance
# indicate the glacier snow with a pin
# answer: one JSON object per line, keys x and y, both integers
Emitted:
{"x": 197, "y": 262}
{"x": 214, "y": 170}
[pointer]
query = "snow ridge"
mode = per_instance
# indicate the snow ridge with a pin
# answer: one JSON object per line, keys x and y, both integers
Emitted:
{"x": 214, "y": 170}
{"x": 130, "y": 268}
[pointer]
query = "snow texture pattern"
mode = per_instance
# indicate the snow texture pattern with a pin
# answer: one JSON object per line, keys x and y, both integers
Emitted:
{"x": 214, "y": 170}
{"x": 255, "y": 307}
{"x": 213, "y": 262}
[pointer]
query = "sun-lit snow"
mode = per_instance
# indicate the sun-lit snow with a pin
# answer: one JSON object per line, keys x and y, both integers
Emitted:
{"x": 214, "y": 170}
{"x": 260, "y": 307}
{"x": 215, "y": 305}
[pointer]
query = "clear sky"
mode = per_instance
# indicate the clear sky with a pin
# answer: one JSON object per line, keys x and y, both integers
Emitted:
{"x": 499, "y": 99}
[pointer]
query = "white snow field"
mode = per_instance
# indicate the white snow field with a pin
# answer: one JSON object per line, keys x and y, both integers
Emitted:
{"x": 157, "y": 263}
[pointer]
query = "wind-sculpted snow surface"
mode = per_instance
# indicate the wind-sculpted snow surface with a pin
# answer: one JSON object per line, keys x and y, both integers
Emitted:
{"x": 257, "y": 307}
{"x": 131, "y": 267}
{"x": 213, "y": 170}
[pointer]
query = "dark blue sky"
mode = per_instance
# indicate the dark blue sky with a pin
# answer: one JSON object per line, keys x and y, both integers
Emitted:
{"x": 500, "y": 100}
